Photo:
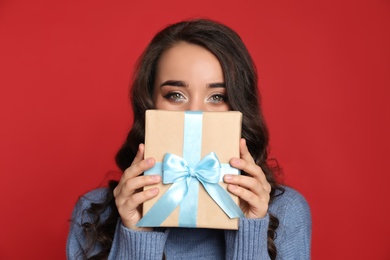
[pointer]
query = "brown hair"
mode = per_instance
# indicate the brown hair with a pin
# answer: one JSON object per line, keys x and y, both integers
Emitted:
{"x": 242, "y": 95}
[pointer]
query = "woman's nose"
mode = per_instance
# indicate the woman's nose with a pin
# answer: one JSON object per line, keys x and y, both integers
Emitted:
{"x": 196, "y": 105}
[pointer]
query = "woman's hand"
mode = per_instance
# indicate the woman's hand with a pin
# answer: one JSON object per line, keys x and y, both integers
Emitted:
{"x": 129, "y": 194}
{"x": 253, "y": 190}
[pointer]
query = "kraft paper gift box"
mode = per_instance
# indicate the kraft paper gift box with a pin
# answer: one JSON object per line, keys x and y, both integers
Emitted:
{"x": 186, "y": 144}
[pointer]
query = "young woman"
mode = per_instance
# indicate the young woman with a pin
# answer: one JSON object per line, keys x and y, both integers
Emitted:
{"x": 194, "y": 65}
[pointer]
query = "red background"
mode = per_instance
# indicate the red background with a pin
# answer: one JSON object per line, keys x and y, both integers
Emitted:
{"x": 65, "y": 68}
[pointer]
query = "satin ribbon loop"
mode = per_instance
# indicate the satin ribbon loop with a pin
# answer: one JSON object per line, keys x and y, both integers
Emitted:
{"x": 176, "y": 168}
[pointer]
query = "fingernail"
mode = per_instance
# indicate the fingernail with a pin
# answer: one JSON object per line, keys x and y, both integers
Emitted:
{"x": 149, "y": 161}
{"x": 154, "y": 191}
{"x": 155, "y": 177}
{"x": 228, "y": 177}
{"x": 236, "y": 161}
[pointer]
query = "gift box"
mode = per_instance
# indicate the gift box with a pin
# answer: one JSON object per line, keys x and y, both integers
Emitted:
{"x": 192, "y": 150}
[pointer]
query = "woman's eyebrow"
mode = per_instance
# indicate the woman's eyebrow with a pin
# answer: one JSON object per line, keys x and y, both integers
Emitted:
{"x": 217, "y": 85}
{"x": 175, "y": 83}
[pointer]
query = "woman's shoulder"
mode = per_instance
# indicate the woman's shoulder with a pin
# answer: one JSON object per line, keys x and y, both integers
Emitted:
{"x": 86, "y": 201}
{"x": 289, "y": 195}
{"x": 96, "y": 196}
{"x": 289, "y": 204}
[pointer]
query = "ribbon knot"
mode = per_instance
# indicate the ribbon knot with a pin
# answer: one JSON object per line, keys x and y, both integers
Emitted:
{"x": 176, "y": 168}
{"x": 192, "y": 172}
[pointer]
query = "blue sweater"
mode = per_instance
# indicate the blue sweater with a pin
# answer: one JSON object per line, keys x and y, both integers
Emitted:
{"x": 248, "y": 242}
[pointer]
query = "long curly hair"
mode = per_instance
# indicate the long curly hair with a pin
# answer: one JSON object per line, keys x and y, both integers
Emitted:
{"x": 242, "y": 94}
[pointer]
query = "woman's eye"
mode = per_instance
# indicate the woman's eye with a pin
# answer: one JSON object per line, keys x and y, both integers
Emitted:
{"x": 174, "y": 96}
{"x": 217, "y": 98}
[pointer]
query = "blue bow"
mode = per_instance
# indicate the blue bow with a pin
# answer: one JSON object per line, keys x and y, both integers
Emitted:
{"x": 183, "y": 176}
{"x": 176, "y": 168}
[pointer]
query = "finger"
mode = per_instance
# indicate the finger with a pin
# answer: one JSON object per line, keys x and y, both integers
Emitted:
{"x": 247, "y": 182}
{"x": 247, "y": 195}
{"x": 133, "y": 171}
{"x": 137, "y": 168}
{"x": 140, "y": 154}
{"x": 247, "y": 166}
{"x": 127, "y": 173}
{"x": 250, "y": 168}
{"x": 139, "y": 198}
{"x": 244, "y": 152}
{"x": 132, "y": 185}
{"x": 130, "y": 210}
{"x": 258, "y": 205}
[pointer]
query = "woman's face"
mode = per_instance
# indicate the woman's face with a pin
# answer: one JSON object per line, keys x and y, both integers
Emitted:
{"x": 189, "y": 77}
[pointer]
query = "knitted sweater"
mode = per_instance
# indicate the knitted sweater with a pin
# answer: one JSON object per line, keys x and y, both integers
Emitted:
{"x": 248, "y": 242}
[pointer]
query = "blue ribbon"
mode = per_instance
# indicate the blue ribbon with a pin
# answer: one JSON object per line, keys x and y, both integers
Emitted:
{"x": 185, "y": 176}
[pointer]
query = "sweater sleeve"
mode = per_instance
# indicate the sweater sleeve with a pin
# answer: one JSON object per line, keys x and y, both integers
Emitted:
{"x": 127, "y": 243}
{"x": 293, "y": 235}
{"x": 249, "y": 241}
{"x": 138, "y": 245}
{"x": 293, "y": 239}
